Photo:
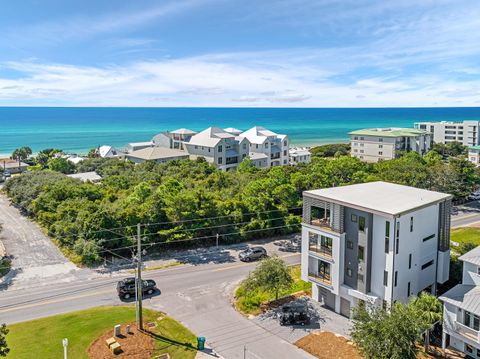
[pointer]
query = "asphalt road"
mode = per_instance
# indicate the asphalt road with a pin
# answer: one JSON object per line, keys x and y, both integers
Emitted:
{"x": 466, "y": 215}
{"x": 197, "y": 295}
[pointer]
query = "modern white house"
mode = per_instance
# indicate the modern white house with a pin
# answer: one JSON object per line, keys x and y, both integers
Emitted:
{"x": 374, "y": 242}
{"x": 461, "y": 309}
{"x": 466, "y": 132}
{"x": 299, "y": 155}
{"x": 474, "y": 155}
{"x": 223, "y": 149}
{"x": 271, "y": 144}
{"x": 376, "y": 144}
{"x": 109, "y": 152}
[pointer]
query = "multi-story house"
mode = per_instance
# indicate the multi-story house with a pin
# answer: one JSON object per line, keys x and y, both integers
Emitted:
{"x": 461, "y": 309}
{"x": 271, "y": 144}
{"x": 221, "y": 148}
{"x": 374, "y": 242}
{"x": 474, "y": 155}
{"x": 173, "y": 139}
{"x": 465, "y": 132}
{"x": 375, "y": 144}
{"x": 299, "y": 155}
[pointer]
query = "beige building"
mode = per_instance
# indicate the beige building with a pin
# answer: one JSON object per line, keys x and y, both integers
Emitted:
{"x": 376, "y": 144}
{"x": 465, "y": 132}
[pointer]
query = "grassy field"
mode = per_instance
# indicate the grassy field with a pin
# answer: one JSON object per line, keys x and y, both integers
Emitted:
{"x": 467, "y": 238}
{"x": 42, "y": 338}
{"x": 250, "y": 303}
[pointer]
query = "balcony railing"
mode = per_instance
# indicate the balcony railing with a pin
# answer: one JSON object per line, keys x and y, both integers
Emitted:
{"x": 275, "y": 156}
{"x": 324, "y": 278}
{"x": 231, "y": 160}
{"x": 321, "y": 222}
{"x": 322, "y": 250}
{"x": 468, "y": 332}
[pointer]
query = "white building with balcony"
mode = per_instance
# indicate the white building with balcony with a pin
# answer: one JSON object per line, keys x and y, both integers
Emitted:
{"x": 299, "y": 155}
{"x": 461, "y": 309}
{"x": 271, "y": 144}
{"x": 375, "y": 242}
{"x": 466, "y": 132}
{"x": 376, "y": 144}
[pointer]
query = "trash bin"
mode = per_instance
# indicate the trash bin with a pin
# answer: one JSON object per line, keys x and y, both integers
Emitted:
{"x": 201, "y": 343}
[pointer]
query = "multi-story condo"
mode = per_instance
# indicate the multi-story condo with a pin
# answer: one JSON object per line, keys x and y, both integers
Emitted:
{"x": 299, "y": 155}
{"x": 375, "y": 144}
{"x": 474, "y": 155}
{"x": 271, "y": 144}
{"x": 465, "y": 132}
{"x": 221, "y": 148}
{"x": 375, "y": 242}
{"x": 461, "y": 309}
{"x": 173, "y": 139}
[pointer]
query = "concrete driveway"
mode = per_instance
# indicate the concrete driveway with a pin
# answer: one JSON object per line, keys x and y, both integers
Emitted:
{"x": 35, "y": 257}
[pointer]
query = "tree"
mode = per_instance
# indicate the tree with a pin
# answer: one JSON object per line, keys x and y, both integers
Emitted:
{"x": 430, "y": 309}
{"x": 271, "y": 275}
{"x": 22, "y": 153}
{"x": 93, "y": 153}
{"x": 4, "y": 350}
{"x": 387, "y": 334}
{"x": 61, "y": 165}
{"x": 330, "y": 150}
{"x": 247, "y": 166}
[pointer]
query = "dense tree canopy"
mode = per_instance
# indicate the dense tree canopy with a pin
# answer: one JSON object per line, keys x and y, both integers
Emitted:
{"x": 22, "y": 153}
{"x": 190, "y": 202}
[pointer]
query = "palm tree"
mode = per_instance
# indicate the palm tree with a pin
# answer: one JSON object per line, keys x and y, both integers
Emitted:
{"x": 430, "y": 309}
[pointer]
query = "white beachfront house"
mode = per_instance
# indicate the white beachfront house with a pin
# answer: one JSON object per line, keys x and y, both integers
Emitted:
{"x": 299, "y": 155}
{"x": 374, "y": 242}
{"x": 269, "y": 143}
{"x": 375, "y": 144}
{"x": 173, "y": 139}
{"x": 109, "y": 152}
{"x": 466, "y": 132}
{"x": 223, "y": 149}
{"x": 461, "y": 309}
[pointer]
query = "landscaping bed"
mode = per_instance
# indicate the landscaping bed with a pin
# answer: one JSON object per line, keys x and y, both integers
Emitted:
{"x": 327, "y": 345}
{"x": 42, "y": 338}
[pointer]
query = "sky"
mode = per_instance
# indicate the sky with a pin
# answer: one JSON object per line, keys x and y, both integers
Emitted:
{"x": 240, "y": 53}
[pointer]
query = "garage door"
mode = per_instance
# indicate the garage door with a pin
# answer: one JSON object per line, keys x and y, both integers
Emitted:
{"x": 345, "y": 307}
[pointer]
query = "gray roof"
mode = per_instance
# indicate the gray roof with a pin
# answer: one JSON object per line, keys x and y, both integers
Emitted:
{"x": 472, "y": 257}
{"x": 9, "y": 165}
{"x": 86, "y": 176}
{"x": 463, "y": 296}
{"x": 156, "y": 153}
{"x": 183, "y": 131}
{"x": 382, "y": 197}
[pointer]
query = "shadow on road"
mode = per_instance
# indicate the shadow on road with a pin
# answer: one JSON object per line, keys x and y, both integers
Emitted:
{"x": 145, "y": 296}
{"x": 198, "y": 257}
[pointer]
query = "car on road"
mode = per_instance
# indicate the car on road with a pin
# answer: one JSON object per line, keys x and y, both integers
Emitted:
{"x": 475, "y": 196}
{"x": 126, "y": 287}
{"x": 294, "y": 314}
{"x": 7, "y": 174}
{"x": 290, "y": 247}
{"x": 252, "y": 254}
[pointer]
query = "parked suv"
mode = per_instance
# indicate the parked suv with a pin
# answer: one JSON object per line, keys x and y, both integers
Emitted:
{"x": 126, "y": 287}
{"x": 294, "y": 314}
{"x": 252, "y": 254}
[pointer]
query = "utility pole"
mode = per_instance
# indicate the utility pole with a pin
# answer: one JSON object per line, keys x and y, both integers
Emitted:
{"x": 244, "y": 352}
{"x": 217, "y": 240}
{"x": 139, "y": 280}
{"x": 65, "y": 345}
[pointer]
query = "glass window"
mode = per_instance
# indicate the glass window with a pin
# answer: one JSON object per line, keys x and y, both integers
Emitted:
{"x": 476, "y": 322}
{"x": 361, "y": 253}
{"x": 428, "y": 264}
{"x": 408, "y": 289}
{"x": 411, "y": 224}
{"x": 361, "y": 224}
{"x": 397, "y": 242}
{"x": 349, "y": 272}
{"x": 387, "y": 245}
{"x": 220, "y": 160}
{"x": 410, "y": 261}
{"x": 353, "y": 218}
{"x": 220, "y": 148}
{"x": 385, "y": 278}
{"x": 266, "y": 144}
{"x": 387, "y": 229}
{"x": 349, "y": 244}
{"x": 395, "y": 278}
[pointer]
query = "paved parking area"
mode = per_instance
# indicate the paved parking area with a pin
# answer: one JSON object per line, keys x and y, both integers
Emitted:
{"x": 321, "y": 319}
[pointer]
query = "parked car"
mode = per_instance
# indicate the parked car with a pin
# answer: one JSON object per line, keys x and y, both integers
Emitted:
{"x": 126, "y": 287}
{"x": 290, "y": 247}
{"x": 294, "y": 314}
{"x": 7, "y": 174}
{"x": 252, "y": 254}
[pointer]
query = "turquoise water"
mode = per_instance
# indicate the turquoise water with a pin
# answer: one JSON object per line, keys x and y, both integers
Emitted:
{"x": 79, "y": 129}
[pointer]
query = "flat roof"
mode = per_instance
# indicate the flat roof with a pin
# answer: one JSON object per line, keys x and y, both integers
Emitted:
{"x": 384, "y": 197}
{"x": 464, "y": 296}
{"x": 389, "y": 132}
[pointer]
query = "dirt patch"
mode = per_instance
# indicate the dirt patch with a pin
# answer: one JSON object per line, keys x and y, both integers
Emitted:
{"x": 136, "y": 345}
{"x": 265, "y": 307}
{"x": 326, "y": 345}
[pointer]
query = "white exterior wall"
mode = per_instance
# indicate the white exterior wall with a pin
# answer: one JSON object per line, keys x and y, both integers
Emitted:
{"x": 373, "y": 148}
{"x": 474, "y": 156}
{"x": 466, "y": 132}
{"x": 380, "y": 260}
{"x": 470, "y": 274}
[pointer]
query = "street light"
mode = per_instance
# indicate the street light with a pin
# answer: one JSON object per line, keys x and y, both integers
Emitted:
{"x": 65, "y": 345}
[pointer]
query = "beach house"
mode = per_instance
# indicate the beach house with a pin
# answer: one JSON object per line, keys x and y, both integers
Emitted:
{"x": 299, "y": 155}
{"x": 173, "y": 139}
{"x": 374, "y": 243}
{"x": 376, "y": 144}
{"x": 270, "y": 146}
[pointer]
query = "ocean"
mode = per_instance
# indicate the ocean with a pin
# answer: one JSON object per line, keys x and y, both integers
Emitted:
{"x": 76, "y": 130}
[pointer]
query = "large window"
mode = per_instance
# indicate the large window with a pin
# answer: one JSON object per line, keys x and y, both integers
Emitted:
{"x": 361, "y": 253}
{"x": 320, "y": 216}
{"x": 361, "y": 224}
{"x": 320, "y": 244}
{"x": 471, "y": 320}
{"x": 220, "y": 148}
{"x": 322, "y": 271}
{"x": 428, "y": 264}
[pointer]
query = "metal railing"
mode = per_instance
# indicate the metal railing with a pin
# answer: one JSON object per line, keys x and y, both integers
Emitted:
{"x": 325, "y": 278}
{"x": 322, "y": 250}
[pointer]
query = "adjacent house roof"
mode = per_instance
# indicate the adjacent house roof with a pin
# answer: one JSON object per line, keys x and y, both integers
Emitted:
{"x": 156, "y": 153}
{"x": 108, "y": 151}
{"x": 390, "y": 132}
{"x": 259, "y": 134}
{"x": 86, "y": 176}
{"x": 183, "y": 131}
{"x": 464, "y": 296}
{"x": 257, "y": 156}
{"x": 299, "y": 152}
{"x": 383, "y": 197}
{"x": 233, "y": 130}
{"x": 472, "y": 257}
{"x": 140, "y": 144}
{"x": 209, "y": 137}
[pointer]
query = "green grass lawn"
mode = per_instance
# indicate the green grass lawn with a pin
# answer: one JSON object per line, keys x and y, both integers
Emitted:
{"x": 466, "y": 237}
{"x": 42, "y": 338}
{"x": 250, "y": 303}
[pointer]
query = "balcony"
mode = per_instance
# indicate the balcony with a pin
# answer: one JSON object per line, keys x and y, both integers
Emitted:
{"x": 321, "y": 250}
{"x": 275, "y": 156}
{"x": 468, "y": 332}
{"x": 320, "y": 278}
{"x": 321, "y": 222}
{"x": 231, "y": 160}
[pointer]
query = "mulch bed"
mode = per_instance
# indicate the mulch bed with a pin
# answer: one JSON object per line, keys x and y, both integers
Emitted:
{"x": 327, "y": 345}
{"x": 265, "y": 307}
{"x": 137, "y": 345}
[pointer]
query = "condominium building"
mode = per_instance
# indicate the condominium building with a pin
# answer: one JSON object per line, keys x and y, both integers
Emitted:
{"x": 271, "y": 144}
{"x": 375, "y": 242}
{"x": 461, "y": 309}
{"x": 219, "y": 147}
{"x": 474, "y": 155}
{"x": 465, "y": 132}
{"x": 375, "y": 144}
{"x": 299, "y": 155}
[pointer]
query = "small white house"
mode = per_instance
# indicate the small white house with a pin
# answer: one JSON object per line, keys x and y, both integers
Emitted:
{"x": 474, "y": 155}
{"x": 109, "y": 152}
{"x": 299, "y": 155}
